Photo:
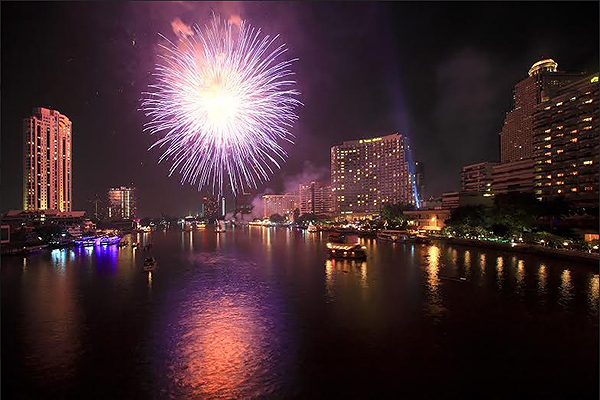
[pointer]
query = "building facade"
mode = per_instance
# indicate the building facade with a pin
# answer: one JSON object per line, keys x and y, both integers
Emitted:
{"x": 282, "y": 204}
{"x": 566, "y": 136}
{"x": 315, "y": 198}
{"x": 420, "y": 179}
{"x": 122, "y": 203}
{"x": 516, "y": 137}
{"x": 368, "y": 173}
{"x": 427, "y": 219}
{"x": 477, "y": 178}
{"x": 213, "y": 207}
{"x": 47, "y": 172}
{"x": 513, "y": 177}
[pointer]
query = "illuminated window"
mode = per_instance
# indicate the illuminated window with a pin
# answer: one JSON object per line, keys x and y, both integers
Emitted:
{"x": 587, "y": 119}
{"x": 587, "y": 162}
{"x": 548, "y": 138}
{"x": 574, "y": 140}
{"x": 587, "y": 101}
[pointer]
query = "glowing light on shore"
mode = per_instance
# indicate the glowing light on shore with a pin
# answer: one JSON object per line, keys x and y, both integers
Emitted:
{"x": 223, "y": 104}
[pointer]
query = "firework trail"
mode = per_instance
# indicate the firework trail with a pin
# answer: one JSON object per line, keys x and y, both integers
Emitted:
{"x": 222, "y": 104}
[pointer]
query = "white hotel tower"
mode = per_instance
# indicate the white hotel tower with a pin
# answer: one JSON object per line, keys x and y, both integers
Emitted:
{"x": 47, "y": 176}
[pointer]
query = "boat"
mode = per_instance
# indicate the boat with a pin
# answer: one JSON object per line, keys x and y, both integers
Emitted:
{"x": 221, "y": 227}
{"x": 340, "y": 245}
{"x": 110, "y": 240}
{"x": 392, "y": 236}
{"x": 312, "y": 228}
{"x": 419, "y": 239}
{"x": 149, "y": 264}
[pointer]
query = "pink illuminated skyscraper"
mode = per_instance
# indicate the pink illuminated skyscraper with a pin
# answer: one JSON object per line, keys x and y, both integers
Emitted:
{"x": 47, "y": 174}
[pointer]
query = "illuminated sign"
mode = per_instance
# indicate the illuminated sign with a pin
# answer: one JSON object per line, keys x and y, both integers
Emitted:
{"x": 369, "y": 140}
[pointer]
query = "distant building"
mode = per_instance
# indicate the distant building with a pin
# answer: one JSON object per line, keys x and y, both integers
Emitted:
{"x": 427, "y": 219}
{"x": 19, "y": 218}
{"x": 566, "y": 137}
{"x": 47, "y": 174}
{"x": 450, "y": 200}
{"x": 513, "y": 177}
{"x": 420, "y": 179}
{"x": 315, "y": 198}
{"x": 282, "y": 204}
{"x": 122, "y": 203}
{"x": 477, "y": 178}
{"x": 213, "y": 207}
{"x": 368, "y": 173}
{"x": 243, "y": 203}
{"x": 516, "y": 137}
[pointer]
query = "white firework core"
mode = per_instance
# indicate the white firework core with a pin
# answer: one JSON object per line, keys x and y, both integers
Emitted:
{"x": 222, "y": 104}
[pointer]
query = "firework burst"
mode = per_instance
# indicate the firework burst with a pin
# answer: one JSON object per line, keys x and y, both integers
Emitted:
{"x": 222, "y": 105}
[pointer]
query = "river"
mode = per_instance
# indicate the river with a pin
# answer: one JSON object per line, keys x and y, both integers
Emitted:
{"x": 261, "y": 312}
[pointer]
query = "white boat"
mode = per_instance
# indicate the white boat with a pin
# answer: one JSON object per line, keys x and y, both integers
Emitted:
{"x": 312, "y": 228}
{"x": 221, "y": 227}
{"x": 149, "y": 264}
{"x": 392, "y": 236}
{"x": 340, "y": 245}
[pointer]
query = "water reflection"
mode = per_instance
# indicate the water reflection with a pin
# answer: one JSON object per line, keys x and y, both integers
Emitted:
{"x": 593, "y": 292}
{"x": 335, "y": 268}
{"x": 467, "y": 264}
{"x": 227, "y": 346}
{"x": 520, "y": 276}
{"x": 565, "y": 293}
{"x": 542, "y": 280}
{"x": 499, "y": 272}
{"x": 482, "y": 264}
{"x": 432, "y": 270}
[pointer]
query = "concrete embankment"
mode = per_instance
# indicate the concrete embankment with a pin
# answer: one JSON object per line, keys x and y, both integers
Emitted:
{"x": 526, "y": 248}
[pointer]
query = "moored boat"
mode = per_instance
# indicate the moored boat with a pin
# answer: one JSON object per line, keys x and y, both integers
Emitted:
{"x": 392, "y": 235}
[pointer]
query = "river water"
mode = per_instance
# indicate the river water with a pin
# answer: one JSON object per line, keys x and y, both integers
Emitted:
{"x": 261, "y": 312}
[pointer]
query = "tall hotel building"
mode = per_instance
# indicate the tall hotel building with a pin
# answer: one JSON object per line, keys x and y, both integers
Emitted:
{"x": 315, "y": 198}
{"x": 47, "y": 176}
{"x": 368, "y": 173}
{"x": 121, "y": 203}
{"x": 282, "y": 204}
{"x": 516, "y": 137}
{"x": 566, "y": 136}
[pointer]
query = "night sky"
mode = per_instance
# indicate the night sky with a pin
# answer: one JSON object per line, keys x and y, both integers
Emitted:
{"x": 441, "y": 73}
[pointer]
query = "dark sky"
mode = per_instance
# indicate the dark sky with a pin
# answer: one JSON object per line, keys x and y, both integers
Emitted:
{"x": 442, "y": 73}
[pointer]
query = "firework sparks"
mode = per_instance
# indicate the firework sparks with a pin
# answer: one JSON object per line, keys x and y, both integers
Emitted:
{"x": 222, "y": 104}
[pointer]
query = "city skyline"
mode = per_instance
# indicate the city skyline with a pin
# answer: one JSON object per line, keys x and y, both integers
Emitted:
{"x": 427, "y": 97}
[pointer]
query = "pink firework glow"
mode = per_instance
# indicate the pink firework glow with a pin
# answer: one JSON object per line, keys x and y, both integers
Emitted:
{"x": 222, "y": 104}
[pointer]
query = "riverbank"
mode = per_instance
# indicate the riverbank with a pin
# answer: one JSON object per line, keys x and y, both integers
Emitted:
{"x": 525, "y": 248}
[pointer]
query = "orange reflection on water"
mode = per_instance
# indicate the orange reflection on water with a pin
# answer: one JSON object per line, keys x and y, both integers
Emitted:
{"x": 594, "y": 292}
{"x": 433, "y": 281}
{"x": 500, "y": 272}
{"x": 543, "y": 279}
{"x": 520, "y": 275}
{"x": 566, "y": 287}
{"x": 220, "y": 349}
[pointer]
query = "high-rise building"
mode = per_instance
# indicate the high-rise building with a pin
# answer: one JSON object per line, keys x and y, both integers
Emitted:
{"x": 47, "y": 173}
{"x": 368, "y": 173}
{"x": 122, "y": 203}
{"x": 566, "y": 136}
{"x": 420, "y": 179}
{"x": 282, "y": 204}
{"x": 513, "y": 177}
{"x": 516, "y": 137}
{"x": 315, "y": 198}
{"x": 477, "y": 178}
{"x": 213, "y": 207}
{"x": 243, "y": 203}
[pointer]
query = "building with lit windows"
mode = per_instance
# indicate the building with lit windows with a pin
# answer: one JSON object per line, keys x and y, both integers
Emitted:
{"x": 315, "y": 198}
{"x": 282, "y": 204}
{"x": 513, "y": 177}
{"x": 213, "y": 207}
{"x": 368, "y": 173}
{"x": 477, "y": 178}
{"x": 566, "y": 139}
{"x": 47, "y": 173}
{"x": 516, "y": 137}
{"x": 420, "y": 179}
{"x": 121, "y": 203}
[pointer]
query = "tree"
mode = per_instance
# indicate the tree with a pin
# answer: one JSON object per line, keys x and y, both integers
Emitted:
{"x": 393, "y": 215}
{"x": 276, "y": 218}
